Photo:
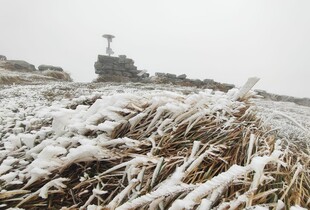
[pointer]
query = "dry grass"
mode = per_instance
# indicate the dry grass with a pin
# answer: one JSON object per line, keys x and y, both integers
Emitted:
{"x": 169, "y": 163}
{"x": 7, "y": 80}
{"x": 15, "y": 77}
{"x": 59, "y": 75}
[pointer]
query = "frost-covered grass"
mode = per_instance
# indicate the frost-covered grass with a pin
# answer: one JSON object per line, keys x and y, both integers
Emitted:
{"x": 8, "y": 77}
{"x": 93, "y": 146}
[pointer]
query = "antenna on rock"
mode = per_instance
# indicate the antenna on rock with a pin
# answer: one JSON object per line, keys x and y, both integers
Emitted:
{"x": 109, "y": 37}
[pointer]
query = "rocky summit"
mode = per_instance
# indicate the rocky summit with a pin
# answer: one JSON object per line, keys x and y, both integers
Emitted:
{"x": 121, "y": 67}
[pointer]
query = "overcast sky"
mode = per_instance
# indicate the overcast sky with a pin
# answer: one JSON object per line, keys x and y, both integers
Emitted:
{"x": 227, "y": 41}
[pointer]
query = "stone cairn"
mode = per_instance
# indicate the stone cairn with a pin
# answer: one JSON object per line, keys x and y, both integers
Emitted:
{"x": 122, "y": 69}
{"x": 118, "y": 68}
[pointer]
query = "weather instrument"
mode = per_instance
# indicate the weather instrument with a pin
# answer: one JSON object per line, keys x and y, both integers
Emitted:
{"x": 109, "y": 37}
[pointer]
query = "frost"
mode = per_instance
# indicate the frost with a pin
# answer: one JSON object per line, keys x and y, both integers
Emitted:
{"x": 94, "y": 207}
{"x": 296, "y": 207}
{"x": 41, "y": 138}
{"x": 57, "y": 183}
{"x": 8, "y": 177}
{"x": 108, "y": 126}
{"x": 84, "y": 153}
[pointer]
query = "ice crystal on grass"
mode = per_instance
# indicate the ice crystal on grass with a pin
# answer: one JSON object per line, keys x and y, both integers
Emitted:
{"x": 147, "y": 149}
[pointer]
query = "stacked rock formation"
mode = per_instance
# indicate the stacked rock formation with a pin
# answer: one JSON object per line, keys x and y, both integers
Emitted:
{"x": 118, "y": 69}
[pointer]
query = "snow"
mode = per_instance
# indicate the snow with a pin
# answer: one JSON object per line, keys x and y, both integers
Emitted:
{"x": 42, "y": 131}
{"x": 57, "y": 183}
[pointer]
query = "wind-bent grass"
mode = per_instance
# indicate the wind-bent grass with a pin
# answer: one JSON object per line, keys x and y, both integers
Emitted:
{"x": 200, "y": 151}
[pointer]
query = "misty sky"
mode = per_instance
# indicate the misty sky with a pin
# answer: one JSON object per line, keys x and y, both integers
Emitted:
{"x": 227, "y": 41}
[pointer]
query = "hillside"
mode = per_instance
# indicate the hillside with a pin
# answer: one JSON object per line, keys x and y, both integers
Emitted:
{"x": 146, "y": 146}
{"x": 21, "y": 72}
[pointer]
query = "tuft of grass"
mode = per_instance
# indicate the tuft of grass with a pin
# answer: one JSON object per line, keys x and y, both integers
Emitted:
{"x": 59, "y": 75}
{"x": 197, "y": 158}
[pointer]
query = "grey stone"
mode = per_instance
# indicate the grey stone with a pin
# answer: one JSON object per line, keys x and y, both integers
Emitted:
{"x": 98, "y": 65}
{"x": 160, "y": 74}
{"x": 49, "y": 67}
{"x": 118, "y": 73}
{"x": 127, "y": 74}
{"x": 20, "y": 65}
{"x": 145, "y": 75}
{"x": 208, "y": 81}
{"x": 2, "y": 58}
{"x": 122, "y": 58}
{"x": 182, "y": 76}
{"x": 228, "y": 86}
{"x": 107, "y": 59}
{"x": 171, "y": 76}
{"x": 134, "y": 71}
{"x": 129, "y": 61}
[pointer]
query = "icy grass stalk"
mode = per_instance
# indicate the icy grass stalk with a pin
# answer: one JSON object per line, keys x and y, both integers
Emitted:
{"x": 160, "y": 192}
{"x": 223, "y": 179}
{"x": 43, "y": 191}
{"x": 250, "y": 147}
{"x": 96, "y": 193}
{"x": 206, "y": 204}
{"x": 198, "y": 160}
{"x": 119, "y": 198}
{"x": 57, "y": 183}
{"x": 174, "y": 182}
{"x": 157, "y": 171}
{"x": 196, "y": 195}
{"x": 298, "y": 170}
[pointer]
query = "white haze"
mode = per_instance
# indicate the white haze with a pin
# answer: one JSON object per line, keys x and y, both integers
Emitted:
{"x": 227, "y": 41}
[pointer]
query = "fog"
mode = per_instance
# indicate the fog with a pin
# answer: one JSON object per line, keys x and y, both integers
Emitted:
{"x": 227, "y": 41}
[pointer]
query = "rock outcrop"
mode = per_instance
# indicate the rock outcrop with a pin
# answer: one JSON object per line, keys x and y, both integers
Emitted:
{"x": 17, "y": 65}
{"x": 164, "y": 78}
{"x": 118, "y": 69}
{"x": 122, "y": 69}
{"x": 49, "y": 67}
{"x": 2, "y": 58}
{"x": 22, "y": 72}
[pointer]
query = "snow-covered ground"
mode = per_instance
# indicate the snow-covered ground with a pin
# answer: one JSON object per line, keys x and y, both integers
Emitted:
{"x": 18, "y": 103}
{"x": 30, "y": 114}
{"x": 292, "y": 121}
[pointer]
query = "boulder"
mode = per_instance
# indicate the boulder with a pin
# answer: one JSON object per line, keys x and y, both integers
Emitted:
{"x": 208, "y": 81}
{"x": 49, "y": 67}
{"x": 2, "y": 58}
{"x": 19, "y": 65}
{"x": 182, "y": 76}
{"x": 171, "y": 76}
